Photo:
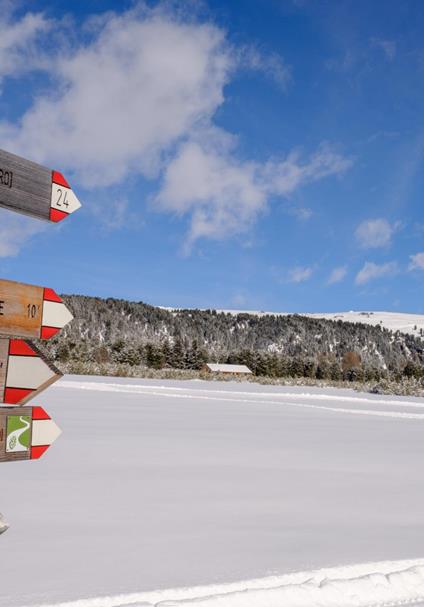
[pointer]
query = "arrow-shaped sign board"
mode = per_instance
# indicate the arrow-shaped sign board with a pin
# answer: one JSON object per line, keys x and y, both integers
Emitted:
{"x": 29, "y": 311}
{"x": 29, "y": 188}
{"x": 25, "y": 433}
{"x": 24, "y": 371}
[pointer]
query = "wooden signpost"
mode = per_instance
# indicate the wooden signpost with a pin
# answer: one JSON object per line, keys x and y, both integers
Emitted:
{"x": 25, "y": 433}
{"x": 29, "y": 311}
{"x": 29, "y": 188}
{"x": 24, "y": 371}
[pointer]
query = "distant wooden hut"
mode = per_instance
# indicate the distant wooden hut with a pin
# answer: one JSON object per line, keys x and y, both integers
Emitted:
{"x": 228, "y": 369}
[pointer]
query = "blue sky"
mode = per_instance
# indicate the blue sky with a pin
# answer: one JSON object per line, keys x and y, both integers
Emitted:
{"x": 246, "y": 154}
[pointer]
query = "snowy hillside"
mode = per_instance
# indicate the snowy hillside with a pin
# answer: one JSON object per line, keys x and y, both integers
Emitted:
{"x": 412, "y": 324}
{"x": 209, "y": 494}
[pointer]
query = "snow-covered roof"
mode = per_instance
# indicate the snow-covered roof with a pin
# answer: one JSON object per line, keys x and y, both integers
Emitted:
{"x": 223, "y": 368}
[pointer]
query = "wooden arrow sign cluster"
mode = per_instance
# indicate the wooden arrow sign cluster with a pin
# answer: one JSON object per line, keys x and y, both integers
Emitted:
{"x": 28, "y": 311}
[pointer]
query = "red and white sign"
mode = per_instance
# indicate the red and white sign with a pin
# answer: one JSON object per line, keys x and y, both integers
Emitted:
{"x": 25, "y": 433}
{"x": 29, "y": 188}
{"x": 24, "y": 371}
{"x": 63, "y": 200}
{"x": 55, "y": 314}
{"x": 44, "y": 432}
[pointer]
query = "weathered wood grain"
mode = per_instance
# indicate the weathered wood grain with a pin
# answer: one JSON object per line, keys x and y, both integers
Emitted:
{"x": 25, "y": 187}
{"x": 21, "y": 309}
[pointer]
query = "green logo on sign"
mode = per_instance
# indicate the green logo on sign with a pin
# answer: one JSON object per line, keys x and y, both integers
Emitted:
{"x": 18, "y": 433}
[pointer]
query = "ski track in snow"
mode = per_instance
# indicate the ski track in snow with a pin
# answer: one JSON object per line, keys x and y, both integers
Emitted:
{"x": 383, "y": 584}
{"x": 265, "y": 398}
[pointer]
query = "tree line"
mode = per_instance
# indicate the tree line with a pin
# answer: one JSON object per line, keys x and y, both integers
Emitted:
{"x": 118, "y": 332}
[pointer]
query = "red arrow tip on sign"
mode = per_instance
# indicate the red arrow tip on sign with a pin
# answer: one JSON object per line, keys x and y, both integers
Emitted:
{"x": 59, "y": 179}
{"x": 57, "y": 216}
{"x": 51, "y": 295}
{"x": 38, "y": 450}
{"x": 19, "y": 347}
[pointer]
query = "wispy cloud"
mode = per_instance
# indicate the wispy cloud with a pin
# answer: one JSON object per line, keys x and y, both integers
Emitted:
{"x": 18, "y": 41}
{"x": 375, "y": 233}
{"x": 387, "y": 46}
{"x": 16, "y": 231}
{"x": 300, "y": 274}
{"x": 301, "y": 213}
{"x": 371, "y": 271}
{"x": 337, "y": 275}
{"x": 114, "y": 213}
{"x": 270, "y": 64}
{"x": 417, "y": 262}
{"x": 224, "y": 195}
{"x": 404, "y": 179}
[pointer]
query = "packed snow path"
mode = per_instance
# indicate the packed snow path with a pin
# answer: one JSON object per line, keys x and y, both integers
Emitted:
{"x": 158, "y": 485}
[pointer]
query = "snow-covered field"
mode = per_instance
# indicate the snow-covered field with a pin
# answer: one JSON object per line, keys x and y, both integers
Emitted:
{"x": 208, "y": 494}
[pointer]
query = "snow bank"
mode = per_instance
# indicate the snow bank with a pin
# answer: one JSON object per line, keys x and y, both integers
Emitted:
{"x": 390, "y": 583}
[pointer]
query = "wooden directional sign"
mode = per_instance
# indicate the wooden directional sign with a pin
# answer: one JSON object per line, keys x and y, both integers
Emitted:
{"x": 29, "y": 188}
{"x": 24, "y": 371}
{"x": 25, "y": 433}
{"x": 29, "y": 311}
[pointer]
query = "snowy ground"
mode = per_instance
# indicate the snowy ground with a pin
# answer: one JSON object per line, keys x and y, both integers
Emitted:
{"x": 205, "y": 494}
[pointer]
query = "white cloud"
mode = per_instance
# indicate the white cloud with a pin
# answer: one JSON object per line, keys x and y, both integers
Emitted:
{"x": 371, "y": 271}
{"x": 417, "y": 262}
{"x": 375, "y": 233}
{"x": 15, "y": 231}
{"x": 224, "y": 195}
{"x": 337, "y": 275}
{"x": 144, "y": 82}
{"x": 18, "y": 41}
{"x": 139, "y": 99}
{"x": 300, "y": 274}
